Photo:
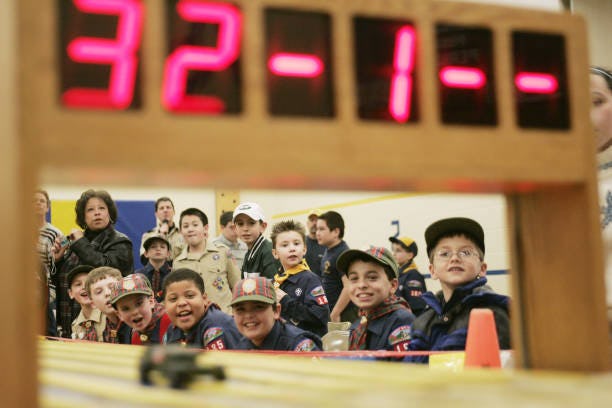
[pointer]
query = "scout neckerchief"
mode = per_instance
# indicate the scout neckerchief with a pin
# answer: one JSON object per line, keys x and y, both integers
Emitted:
{"x": 390, "y": 305}
{"x": 88, "y": 331}
{"x": 408, "y": 267}
{"x": 188, "y": 337}
{"x": 111, "y": 331}
{"x": 158, "y": 312}
{"x": 280, "y": 278}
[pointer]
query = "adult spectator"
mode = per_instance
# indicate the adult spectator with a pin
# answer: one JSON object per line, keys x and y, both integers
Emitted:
{"x": 165, "y": 226}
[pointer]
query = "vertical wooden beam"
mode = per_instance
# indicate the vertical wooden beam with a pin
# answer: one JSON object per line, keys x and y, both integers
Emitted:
{"x": 558, "y": 313}
{"x": 21, "y": 310}
{"x": 225, "y": 200}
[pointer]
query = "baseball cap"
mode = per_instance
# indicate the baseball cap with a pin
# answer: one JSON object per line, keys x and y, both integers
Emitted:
{"x": 457, "y": 225}
{"x": 152, "y": 238}
{"x": 256, "y": 289}
{"x": 408, "y": 244}
{"x": 130, "y": 285}
{"x": 253, "y": 210}
{"x": 77, "y": 270}
{"x": 375, "y": 254}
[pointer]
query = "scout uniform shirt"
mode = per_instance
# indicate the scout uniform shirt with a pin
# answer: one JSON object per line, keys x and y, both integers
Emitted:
{"x": 218, "y": 271}
{"x": 284, "y": 337}
{"x": 305, "y": 304}
{"x": 215, "y": 331}
{"x": 411, "y": 285}
{"x": 91, "y": 329}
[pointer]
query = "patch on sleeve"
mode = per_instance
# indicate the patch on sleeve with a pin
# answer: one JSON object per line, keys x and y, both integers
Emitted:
{"x": 305, "y": 345}
{"x": 414, "y": 284}
{"x": 400, "y": 338}
{"x": 212, "y": 339}
{"x": 318, "y": 291}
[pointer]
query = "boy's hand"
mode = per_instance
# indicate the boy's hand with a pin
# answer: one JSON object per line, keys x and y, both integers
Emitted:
{"x": 280, "y": 294}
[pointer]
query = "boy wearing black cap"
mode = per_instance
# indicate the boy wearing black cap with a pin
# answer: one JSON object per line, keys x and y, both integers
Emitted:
{"x": 90, "y": 323}
{"x": 157, "y": 249}
{"x": 456, "y": 248}
{"x": 257, "y": 317}
{"x": 411, "y": 284}
{"x": 372, "y": 282}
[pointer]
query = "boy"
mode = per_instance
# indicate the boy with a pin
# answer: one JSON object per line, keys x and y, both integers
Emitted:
{"x": 213, "y": 263}
{"x": 411, "y": 282}
{"x": 257, "y": 317}
{"x": 372, "y": 282}
{"x": 90, "y": 323}
{"x": 164, "y": 214}
{"x": 251, "y": 224}
{"x": 196, "y": 321}
{"x": 98, "y": 285}
{"x": 456, "y": 248}
{"x": 314, "y": 251}
{"x": 298, "y": 290}
{"x": 330, "y": 231}
{"x": 133, "y": 300}
{"x": 157, "y": 249}
{"x": 229, "y": 238}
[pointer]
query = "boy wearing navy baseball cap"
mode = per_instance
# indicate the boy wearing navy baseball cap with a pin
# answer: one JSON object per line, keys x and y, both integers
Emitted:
{"x": 456, "y": 249}
{"x": 90, "y": 323}
{"x": 385, "y": 319}
{"x": 257, "y": 316}
{"x": 411, "y": 284}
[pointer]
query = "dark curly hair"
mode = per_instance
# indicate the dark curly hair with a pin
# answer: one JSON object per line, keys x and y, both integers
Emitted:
{"x": 103, "y": 195}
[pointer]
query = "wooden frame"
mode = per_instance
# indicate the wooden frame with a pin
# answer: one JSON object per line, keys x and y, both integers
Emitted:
{"x": 558, "y": 313}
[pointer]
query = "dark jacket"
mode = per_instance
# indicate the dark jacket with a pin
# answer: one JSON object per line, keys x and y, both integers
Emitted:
{"x": 104, "y": 248}
{"x": 391, "y": 332}
{"x": 305, "y": 304}
{"x": 215, "y": 331}
{"x": 259, "y": 259}
{"x": 443, "y": 325}
{"x": 411, "y": 287}
{"x": 285, "y": 337}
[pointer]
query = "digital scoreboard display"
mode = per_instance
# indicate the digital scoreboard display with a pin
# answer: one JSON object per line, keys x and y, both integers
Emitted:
{"x": 102, "y": 63}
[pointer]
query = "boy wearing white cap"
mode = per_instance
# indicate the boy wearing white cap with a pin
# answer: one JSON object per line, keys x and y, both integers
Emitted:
{"x": 251, "y": 224}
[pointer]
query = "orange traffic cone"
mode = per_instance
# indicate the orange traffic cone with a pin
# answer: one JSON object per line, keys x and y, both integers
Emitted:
{"x": 482, "y": 346}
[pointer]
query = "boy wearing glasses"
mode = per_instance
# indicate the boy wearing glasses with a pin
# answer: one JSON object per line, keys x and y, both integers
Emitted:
{"x": 455, "y": 247}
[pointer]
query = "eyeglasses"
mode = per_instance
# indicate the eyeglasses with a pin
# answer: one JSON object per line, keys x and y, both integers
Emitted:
{"x": 447, "y": 254}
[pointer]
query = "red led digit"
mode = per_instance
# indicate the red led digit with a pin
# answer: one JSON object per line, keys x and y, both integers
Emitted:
{"x": 120, "y": 53}
{"x": 462, "y": 77}
{"x": 536, "y": 83}
{"x": 201, "y": 58}
{"x": 295, "y": 65}
{"x": 401, "y": 82}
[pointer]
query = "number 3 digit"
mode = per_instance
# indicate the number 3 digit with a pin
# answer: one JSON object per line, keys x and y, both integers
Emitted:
{"x": 119, "y": 52}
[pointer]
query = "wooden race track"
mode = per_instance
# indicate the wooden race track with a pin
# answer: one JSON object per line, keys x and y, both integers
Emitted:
{"x": 103, "y": 375}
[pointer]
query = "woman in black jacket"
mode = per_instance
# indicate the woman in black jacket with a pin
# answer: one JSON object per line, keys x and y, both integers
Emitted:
{"x": 98, "y": 244}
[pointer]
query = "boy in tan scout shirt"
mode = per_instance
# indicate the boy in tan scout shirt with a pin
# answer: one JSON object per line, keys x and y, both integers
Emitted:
{"x": 213, "y": 263}
{"x": 90, "y": 323}
{"x": 99, "y": 285}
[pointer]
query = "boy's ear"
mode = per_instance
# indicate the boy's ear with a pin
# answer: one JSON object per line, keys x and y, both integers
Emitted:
{"x": 264, "y": 225}
{"x": 70, "y": 294}
{"x": 394, "y": 285}
{"x": 432, "y": 272}
{"x": 274, "y": 253}
{"x": 277, "y": 311}
{"x": 483, "y": 270}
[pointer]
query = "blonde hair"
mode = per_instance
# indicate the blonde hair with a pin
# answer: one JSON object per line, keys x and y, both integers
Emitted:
{"x": 99, "y": 274}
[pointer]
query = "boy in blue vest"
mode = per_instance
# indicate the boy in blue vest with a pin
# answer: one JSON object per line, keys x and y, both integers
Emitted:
{"x": 133, "y": 299}
{"x": 456, "y": 248}
{"x": 298, "y": 290}
{"x": 411, "y": 282}
{"x": 196, "y": 321}
{"x": 385, "y": 319}
{"x": 257, "y": 316}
